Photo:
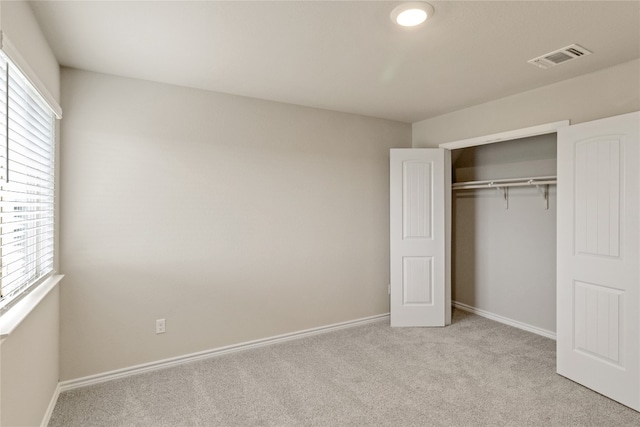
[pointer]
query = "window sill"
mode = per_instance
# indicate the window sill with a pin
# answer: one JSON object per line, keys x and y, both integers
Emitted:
{"x": 10, "y": 320}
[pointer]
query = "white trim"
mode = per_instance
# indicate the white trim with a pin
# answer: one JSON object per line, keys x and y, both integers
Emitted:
{"x": 506, "y": 136}
{"x": 14, "y": 315}
{"x": 51, "y": 407}
{"x": 9, "y": 49}
{"x": 505, "y": 320}
{"x": 175, "y": 361}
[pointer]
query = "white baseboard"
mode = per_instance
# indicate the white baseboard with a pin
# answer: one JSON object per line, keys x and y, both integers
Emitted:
{"x": 52, "y": 405}
{"x": 505, "y": 320}
{"x": 174, "y": 361}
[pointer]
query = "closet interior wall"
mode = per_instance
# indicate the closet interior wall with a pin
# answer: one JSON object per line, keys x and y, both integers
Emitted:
{"x": 504, "y": 259}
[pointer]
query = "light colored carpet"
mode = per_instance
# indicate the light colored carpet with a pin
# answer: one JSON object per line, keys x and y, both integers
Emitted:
{"x": 475, "y": 372}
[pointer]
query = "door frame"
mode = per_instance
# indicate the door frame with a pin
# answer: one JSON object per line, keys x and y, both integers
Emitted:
{"x": 511, "y": 135}
{"x": 506, "y": 136}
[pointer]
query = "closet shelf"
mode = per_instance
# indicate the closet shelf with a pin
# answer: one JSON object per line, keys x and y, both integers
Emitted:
{"x": 502, "y": 185}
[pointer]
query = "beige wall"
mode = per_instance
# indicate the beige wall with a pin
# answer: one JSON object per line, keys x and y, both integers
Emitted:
{"x": 233, "y": 218}
{"x": 605, "y": 93}
{"x": 29, "y": 356}
{"x": 29, "y": 365}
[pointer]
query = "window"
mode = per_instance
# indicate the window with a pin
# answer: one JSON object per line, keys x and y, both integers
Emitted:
{"x": 27, "y": 172}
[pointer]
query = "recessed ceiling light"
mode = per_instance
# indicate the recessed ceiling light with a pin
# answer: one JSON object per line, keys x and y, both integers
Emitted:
{"x": 411, "y": 14}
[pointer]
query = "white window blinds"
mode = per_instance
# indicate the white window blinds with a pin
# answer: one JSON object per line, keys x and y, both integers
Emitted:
{"x": 27, "y": 175}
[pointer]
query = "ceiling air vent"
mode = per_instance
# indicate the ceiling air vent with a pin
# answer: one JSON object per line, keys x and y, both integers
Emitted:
{"x": 559, "y": 56}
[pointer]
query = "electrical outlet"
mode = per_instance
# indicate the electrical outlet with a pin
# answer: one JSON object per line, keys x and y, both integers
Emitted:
{"x": 160, "y": 326}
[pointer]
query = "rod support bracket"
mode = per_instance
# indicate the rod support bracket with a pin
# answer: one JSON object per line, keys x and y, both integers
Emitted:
{"x": 505, "y": 194}
{"x": 544, "y": 191}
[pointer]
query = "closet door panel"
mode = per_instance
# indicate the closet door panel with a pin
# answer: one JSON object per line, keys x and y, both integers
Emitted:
{"x": 598, "y": 286}
{"x": 420, "y": 182}
{"x": 597, "y": 196}
{"x": 417, "y": 280}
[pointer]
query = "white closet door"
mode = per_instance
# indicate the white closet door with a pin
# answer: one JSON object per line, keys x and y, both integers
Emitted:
{"x": 598, "y": 323}
{"x": 420, "y": 182}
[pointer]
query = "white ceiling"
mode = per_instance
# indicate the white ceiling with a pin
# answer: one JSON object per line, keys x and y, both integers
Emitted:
{"x": 339, "y": 55}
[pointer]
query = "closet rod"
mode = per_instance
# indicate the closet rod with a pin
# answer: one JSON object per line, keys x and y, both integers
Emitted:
{"x": 502, "y": 185}
{"x": 513, "y": 182}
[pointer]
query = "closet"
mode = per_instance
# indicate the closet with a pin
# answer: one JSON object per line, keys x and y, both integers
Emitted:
{"x": 473, "y": 225}
{"x": 520, "y": 225}
{"x": 503, "y": 240}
